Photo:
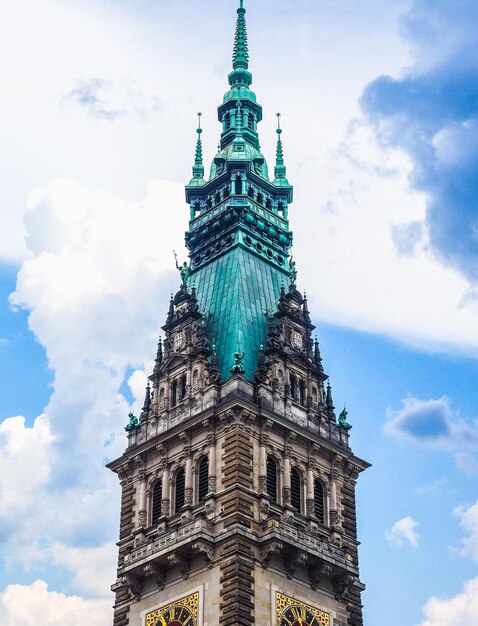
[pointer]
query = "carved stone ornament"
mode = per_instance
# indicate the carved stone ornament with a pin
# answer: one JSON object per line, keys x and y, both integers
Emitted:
{"x": 318, "y": 572}
{"x": 206, "y": 550}
{"x": 133, "y": 584}
{"x": 268, "y": 551}
{"x": 342, "y": 586}
{"x": 181, "y": 562}
{"x": 293, "y": 561}
{"x": 157, "y": 573}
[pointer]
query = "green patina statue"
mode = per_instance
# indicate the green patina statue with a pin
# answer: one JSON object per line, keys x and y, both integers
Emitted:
{"x": 292, "y": 269}
{"x": 237, "y": 367}
{"x": 133, "y": 423}
{"x": 343, "y": 420}
{"x": 184, "y": 269}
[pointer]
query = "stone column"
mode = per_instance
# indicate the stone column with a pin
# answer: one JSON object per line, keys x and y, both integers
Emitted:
{"x": 333, "y": 514}
{"x": 286, "y": 482}
{"x": 212, "y": 464}
{"x": 165, "y": 502}
{"x": 262, "y": 464}
{"x": 142, "y": 512}
{"x": 310, "y": 491}
{"x": 188, "y": 495}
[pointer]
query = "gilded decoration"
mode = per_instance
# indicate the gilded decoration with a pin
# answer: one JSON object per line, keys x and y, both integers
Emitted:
{"x": 183, "y": 611}
{"x": 283, "y": 603}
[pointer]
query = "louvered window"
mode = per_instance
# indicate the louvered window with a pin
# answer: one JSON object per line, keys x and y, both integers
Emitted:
{"x": 271, "y": 479}
{"x": 203, "y": 478}
{"x": 319, "y": 501}
{"x": 293, "y": 387}
{"x": 174, "y": 393}
{"x": 179, "y": 492}
{"x": 302, "y": 393}
{"x": 156, "y": 504}
{"x": 183, "y": 387}
{"x": 295, "y": 490}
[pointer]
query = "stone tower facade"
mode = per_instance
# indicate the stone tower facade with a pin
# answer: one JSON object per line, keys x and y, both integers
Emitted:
{"x": 238, "y": 481}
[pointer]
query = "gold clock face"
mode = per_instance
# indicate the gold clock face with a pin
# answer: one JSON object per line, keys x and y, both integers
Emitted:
{"x": 183, "y": 612}
{"x": 292, "y": 612}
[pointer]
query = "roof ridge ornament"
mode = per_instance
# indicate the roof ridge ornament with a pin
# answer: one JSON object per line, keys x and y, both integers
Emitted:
{"x": 280, "y": 169}
{"x": 198, "y": 167}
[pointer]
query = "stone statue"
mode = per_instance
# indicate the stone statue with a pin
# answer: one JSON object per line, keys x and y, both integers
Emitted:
{"x": 133, "y": 422}
{"x": 184, "y": 269}
{"x": 343, "y": 420}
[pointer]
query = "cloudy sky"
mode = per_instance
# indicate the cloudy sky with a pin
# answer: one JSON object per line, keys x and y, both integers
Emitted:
{"x": 379, "y": 103}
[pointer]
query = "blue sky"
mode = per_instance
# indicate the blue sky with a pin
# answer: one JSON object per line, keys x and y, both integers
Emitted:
{"x": 380, "y": 110}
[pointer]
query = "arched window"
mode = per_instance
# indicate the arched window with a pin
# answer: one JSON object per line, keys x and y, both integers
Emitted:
{"x": 295, "y": 490}
{"x": 195, "y": 379}
{"x": 315, "y": 396}
{"x": 268, "y": 204}
{"x": 302, "y": 392}
{"x": 250, "y": 192}
{"x": 217, "y": 198}
{"x": 208, "y": 203}
{"x": 280, "y": 207}
{"x": 260, "y": 198}
{"x": 319, "y": 501}
{"x": 225, "y": 193}
{"x": 179, "y": 491}
{"x": 238, "y": 185}
{"x": 161, "y": 398}
{"x": 280, "y": 376}
{"x": 203, "y": 478}
{"x": 272, "y": 479}
{"x": 183, "y": 387}
{"x": 197, "y": 206}
{"x": 156, "y": 502}
{"x": 174, "y": 393}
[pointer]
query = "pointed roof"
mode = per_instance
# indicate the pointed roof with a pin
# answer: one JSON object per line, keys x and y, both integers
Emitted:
{"x": 198, "y": 167}
{"x": 280, "y": 179}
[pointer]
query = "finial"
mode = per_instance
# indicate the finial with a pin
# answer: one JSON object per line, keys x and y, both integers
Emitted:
{"x": 280, "y": 169}
{"x": 198, "y": 167}
{"x": 240, "y": 55}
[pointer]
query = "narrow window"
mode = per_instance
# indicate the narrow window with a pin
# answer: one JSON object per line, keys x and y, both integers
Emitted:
{"x": 217, "y": 198}
{"x": 280, "y": 208}
{"x": 161, "y": 398}
{"x": 179, "y": 494}
{"x": 174, "y": 393}
{"x": 238, "y": 186}
{"x": 250, "y": 192}
{"x": 208, "y": 203}
{"x": 225, "y": 193}
{"x": 183, "y": 387}
{"x": 250, "y": 121}
{"x": 260, "y": 198}
{"x": 268, "y": 204}
{"x": 319, "y": 501}
{"x": 156, "y": 503}
{"x": 302, "y": 393}
{"x": 293, "y": 387}
{"x": 272, "y": 479}
{"x": 295, "y": 494}
{"x": 315, "y": 396}
{"x": 203, "y": 485}
{"x": 195, "y": 379}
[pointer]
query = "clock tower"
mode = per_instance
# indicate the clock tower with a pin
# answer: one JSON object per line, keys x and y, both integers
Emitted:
{"x": 238, "y": 480}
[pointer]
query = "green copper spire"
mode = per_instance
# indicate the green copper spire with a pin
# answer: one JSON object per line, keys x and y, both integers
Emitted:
{"x": 280, "y": 169}
{"x": 240, "y": 55}
{"x": 198, "y": 167}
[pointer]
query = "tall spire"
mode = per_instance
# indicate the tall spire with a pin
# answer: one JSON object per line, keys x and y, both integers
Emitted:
{"x": 198, "y": 167}
{"x": 240, "y": 54}
{"x": 279, "y": 169}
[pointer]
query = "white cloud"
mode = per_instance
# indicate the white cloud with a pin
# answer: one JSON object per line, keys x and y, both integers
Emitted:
{"x": 367, "y": 281}
{"x": 467, "y": 462}
{"x": 462, "y": 610}
{"x": 434, "y": 424}
{"x": 28, "y": 605}
{"x": 403, "y": 530}
{"x": 469, "y": 522}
